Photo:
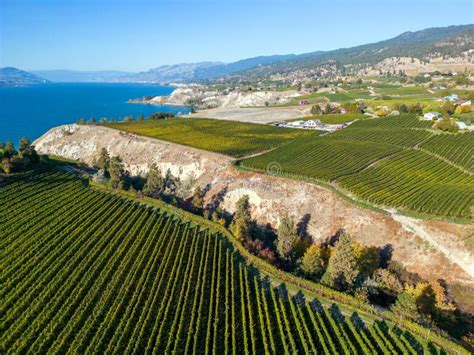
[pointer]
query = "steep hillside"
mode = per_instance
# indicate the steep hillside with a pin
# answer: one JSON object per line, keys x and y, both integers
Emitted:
{"x": 443, "y": 255}
{"x": 10, "y": 76}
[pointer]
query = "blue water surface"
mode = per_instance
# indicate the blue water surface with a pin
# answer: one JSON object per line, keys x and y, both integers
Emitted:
{"x": 31, "y": 111}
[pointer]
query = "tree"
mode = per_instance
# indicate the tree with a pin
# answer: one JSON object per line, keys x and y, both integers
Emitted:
{"x": 424, "y": 296}
{"x": 287, "y": 237}
{"x": 117, "y": 173}
{"x": 241, "y": 220}
{"x": 415, "y": 108}
{"x": 154, "y": 184}
{"x": 169, "y": 186}
{"x": 403, "y": 108}
{"x": 463, "y": 109}
{"x": 316, "y": 110}
{"x": 368, "y": 259}
{"x": 81, "y": 121}
{"x": 198, "y": 201}
{"x": 343, "y": 271}
{"x": 185, "y": 187}
{"x": 442, "y": 301}
{"x": 405, "y": 307}
{"x": 312, "y": 261}
{"x": 141, "y": 118}
{"x": 104, "y": 160}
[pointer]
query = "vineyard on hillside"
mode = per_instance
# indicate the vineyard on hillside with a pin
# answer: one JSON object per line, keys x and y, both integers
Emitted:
{"x": 227, "y": 137}
{"x": 393, "y": 161}
{"x": 89, "y": 272}
{"x": 458, "y": 149}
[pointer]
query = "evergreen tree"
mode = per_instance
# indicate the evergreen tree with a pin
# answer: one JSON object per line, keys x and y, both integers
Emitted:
{"x": 241, "y": 221}
{"x": 343, "y": 268}
{"x": 154, "y": 185}
{"x": 117, "y": 173}
{"x": 170, "y": 182}
{"x": 287, "y": 238}
{"x": 104, "y": 160}
{"x": 198, "y": 201}
{"x": 312, "y": 261}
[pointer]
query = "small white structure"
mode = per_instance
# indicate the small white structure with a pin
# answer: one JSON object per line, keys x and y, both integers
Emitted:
{"x": 312, "y": 124}
{"x": 433, "y": 115}
{"x": 296, "y": 124}
{"x": 466, "y": 103}
{"x": 452, "y": 97}
{"x": 461, "y": 125}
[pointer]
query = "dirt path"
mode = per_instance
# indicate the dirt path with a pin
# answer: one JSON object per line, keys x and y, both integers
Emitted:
{"x": 462, "y": 258}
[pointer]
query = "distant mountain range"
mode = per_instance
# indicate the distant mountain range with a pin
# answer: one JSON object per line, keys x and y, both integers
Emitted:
{"x": 81, "y": 76}
{"x": 15, "y": 77}
{"x": 441, "y": 41}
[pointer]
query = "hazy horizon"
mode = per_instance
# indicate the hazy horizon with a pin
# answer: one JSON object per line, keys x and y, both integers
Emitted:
{"x": 119, "y": 36}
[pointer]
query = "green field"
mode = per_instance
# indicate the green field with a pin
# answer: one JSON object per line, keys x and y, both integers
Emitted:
{"x": 394, "y": 162}
{"x": 85, "y": 271}
{"x": 227, "y": 137}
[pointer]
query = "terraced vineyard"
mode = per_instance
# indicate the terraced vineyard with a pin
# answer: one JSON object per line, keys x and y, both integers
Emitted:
{"x": 393, "y": 162}
{"x": 89, "y": 272}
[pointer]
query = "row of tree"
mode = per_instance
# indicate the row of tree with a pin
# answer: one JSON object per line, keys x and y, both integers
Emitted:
{"x": 130, "y": 118}
{"x": 12, "y": 160}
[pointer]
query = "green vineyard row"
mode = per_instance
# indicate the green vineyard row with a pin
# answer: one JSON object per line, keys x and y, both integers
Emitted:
{"x": 90, "y": 272}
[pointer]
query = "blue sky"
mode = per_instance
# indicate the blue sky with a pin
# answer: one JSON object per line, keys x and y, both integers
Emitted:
{"x": 138, "y": 35}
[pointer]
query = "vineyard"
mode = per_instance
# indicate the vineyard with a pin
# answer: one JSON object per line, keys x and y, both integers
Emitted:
{"x": 90, "y": 272}
{"x": 227, "y": 137}
{"x": 393, "y": 161}
{"x": 458, "y": 149}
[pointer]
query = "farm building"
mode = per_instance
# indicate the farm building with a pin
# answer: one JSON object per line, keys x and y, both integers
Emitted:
{"x": 433, "y": 115}
{"x": 312, "y": 124}
{"x": 461, "y": 125}
{"x": 296, "y": 124}
{"x": 304, "y": 102}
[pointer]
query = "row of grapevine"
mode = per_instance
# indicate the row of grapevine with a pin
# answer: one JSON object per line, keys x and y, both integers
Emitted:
{"x": 456, "y": 148}
{"x": 417, "y": 181}
{"x": 111, "y": 276}
{"x": 393, "y": 162}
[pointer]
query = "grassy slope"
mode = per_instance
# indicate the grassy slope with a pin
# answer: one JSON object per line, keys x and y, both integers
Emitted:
{"x": 227, "y": 137}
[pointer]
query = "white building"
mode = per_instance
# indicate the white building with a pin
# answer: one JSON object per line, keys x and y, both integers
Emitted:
{"x": 461, "y": 125}
{"x": 430, "y": 116}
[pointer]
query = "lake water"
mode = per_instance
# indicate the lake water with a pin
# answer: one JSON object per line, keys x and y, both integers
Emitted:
{"x": 31, "y": 111}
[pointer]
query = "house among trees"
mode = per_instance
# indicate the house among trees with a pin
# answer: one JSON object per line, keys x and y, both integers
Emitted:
{"x": 432, "y": 116}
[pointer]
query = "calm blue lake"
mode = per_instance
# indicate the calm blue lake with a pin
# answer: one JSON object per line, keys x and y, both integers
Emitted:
{"x": 31, "y": 111}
